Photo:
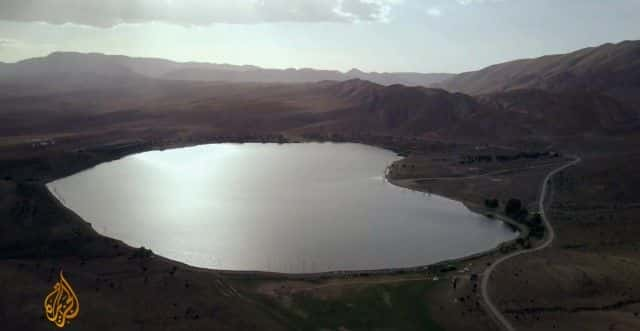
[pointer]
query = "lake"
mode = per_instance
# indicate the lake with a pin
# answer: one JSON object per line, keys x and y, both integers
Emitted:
{"x": 288, "y": 208}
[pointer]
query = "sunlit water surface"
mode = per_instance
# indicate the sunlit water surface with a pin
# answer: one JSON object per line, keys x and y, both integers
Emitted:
{"x": 287, "y": 208}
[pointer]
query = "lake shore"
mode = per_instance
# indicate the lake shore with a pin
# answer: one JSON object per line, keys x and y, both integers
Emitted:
{"x": 520, "y": 228}
{"x": 68, "y": 242}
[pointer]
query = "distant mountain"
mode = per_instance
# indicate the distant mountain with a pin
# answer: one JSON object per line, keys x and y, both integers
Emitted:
{"x": 66, "y": 63}
{"x": 256, "y": 75}
{"x": 118, "y": 65}
{"x": 303, "y": 75}
{"x": 611, "y": 68}
{"x": 404, "y": 78}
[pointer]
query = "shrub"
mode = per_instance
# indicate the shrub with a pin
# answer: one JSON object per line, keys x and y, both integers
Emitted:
{"x": 536, "y": 219}
{"x": 513, "y": 207}
{"x": 491, "y": 203}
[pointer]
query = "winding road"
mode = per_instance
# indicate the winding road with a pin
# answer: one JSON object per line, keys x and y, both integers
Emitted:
{"x": 492, "y": 309}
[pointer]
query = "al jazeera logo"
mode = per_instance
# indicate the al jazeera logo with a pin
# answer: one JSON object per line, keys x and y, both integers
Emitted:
{"x": 61, "y": 305}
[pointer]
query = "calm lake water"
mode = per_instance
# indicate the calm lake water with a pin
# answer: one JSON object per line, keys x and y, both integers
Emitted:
{"x": 287, "y": 208}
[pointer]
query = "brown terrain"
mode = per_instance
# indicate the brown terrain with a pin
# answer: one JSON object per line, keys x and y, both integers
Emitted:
{"x": 61, "y": 114}
{"x": 610, "y": 69}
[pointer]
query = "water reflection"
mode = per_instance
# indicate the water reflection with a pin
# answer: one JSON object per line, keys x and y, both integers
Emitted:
{"x": 288, "y": 208}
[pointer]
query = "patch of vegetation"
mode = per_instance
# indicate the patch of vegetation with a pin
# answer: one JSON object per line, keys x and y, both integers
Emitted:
{"x": 448, "y": 268}
{"x": 536, "y": 226}
{"x": 486, "y": 158}
{"x": 524, "y": 243}
{"x": 516, "y": 211}
{"x": 525, "y": 155}
{"x": 492, "y": 203}
{"x": 508, "y": 247}
{"x": 141, "y": 253}
{"x": 397, "y": 306}
{"x": 513, "y": 207}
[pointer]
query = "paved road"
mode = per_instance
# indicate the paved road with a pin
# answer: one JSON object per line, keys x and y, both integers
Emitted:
{"x": 493, "y": 310}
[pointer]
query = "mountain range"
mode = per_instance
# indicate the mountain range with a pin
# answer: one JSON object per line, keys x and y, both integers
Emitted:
{"x": 588, "y": 92}
{"x": 111, "y": 65}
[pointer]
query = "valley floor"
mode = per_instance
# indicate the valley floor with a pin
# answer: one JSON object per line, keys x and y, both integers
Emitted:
{"x": 588, "y": 279}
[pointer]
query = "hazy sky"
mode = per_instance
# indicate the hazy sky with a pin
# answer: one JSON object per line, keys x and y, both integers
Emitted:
{"x": 373, "y": 35}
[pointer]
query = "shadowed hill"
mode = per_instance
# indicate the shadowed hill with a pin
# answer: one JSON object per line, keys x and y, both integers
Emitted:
{"x": 438, "y": 114}
{"x": 399, "y": 109}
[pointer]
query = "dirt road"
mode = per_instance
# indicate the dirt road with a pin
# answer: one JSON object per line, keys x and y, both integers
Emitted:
{"x": 492, "y": 309}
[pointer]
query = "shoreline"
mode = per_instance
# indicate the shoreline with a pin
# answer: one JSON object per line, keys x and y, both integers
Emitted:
{"x": 255, "y": 274}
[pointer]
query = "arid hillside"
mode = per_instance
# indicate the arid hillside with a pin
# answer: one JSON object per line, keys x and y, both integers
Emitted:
{"x": 612, "y": 69}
